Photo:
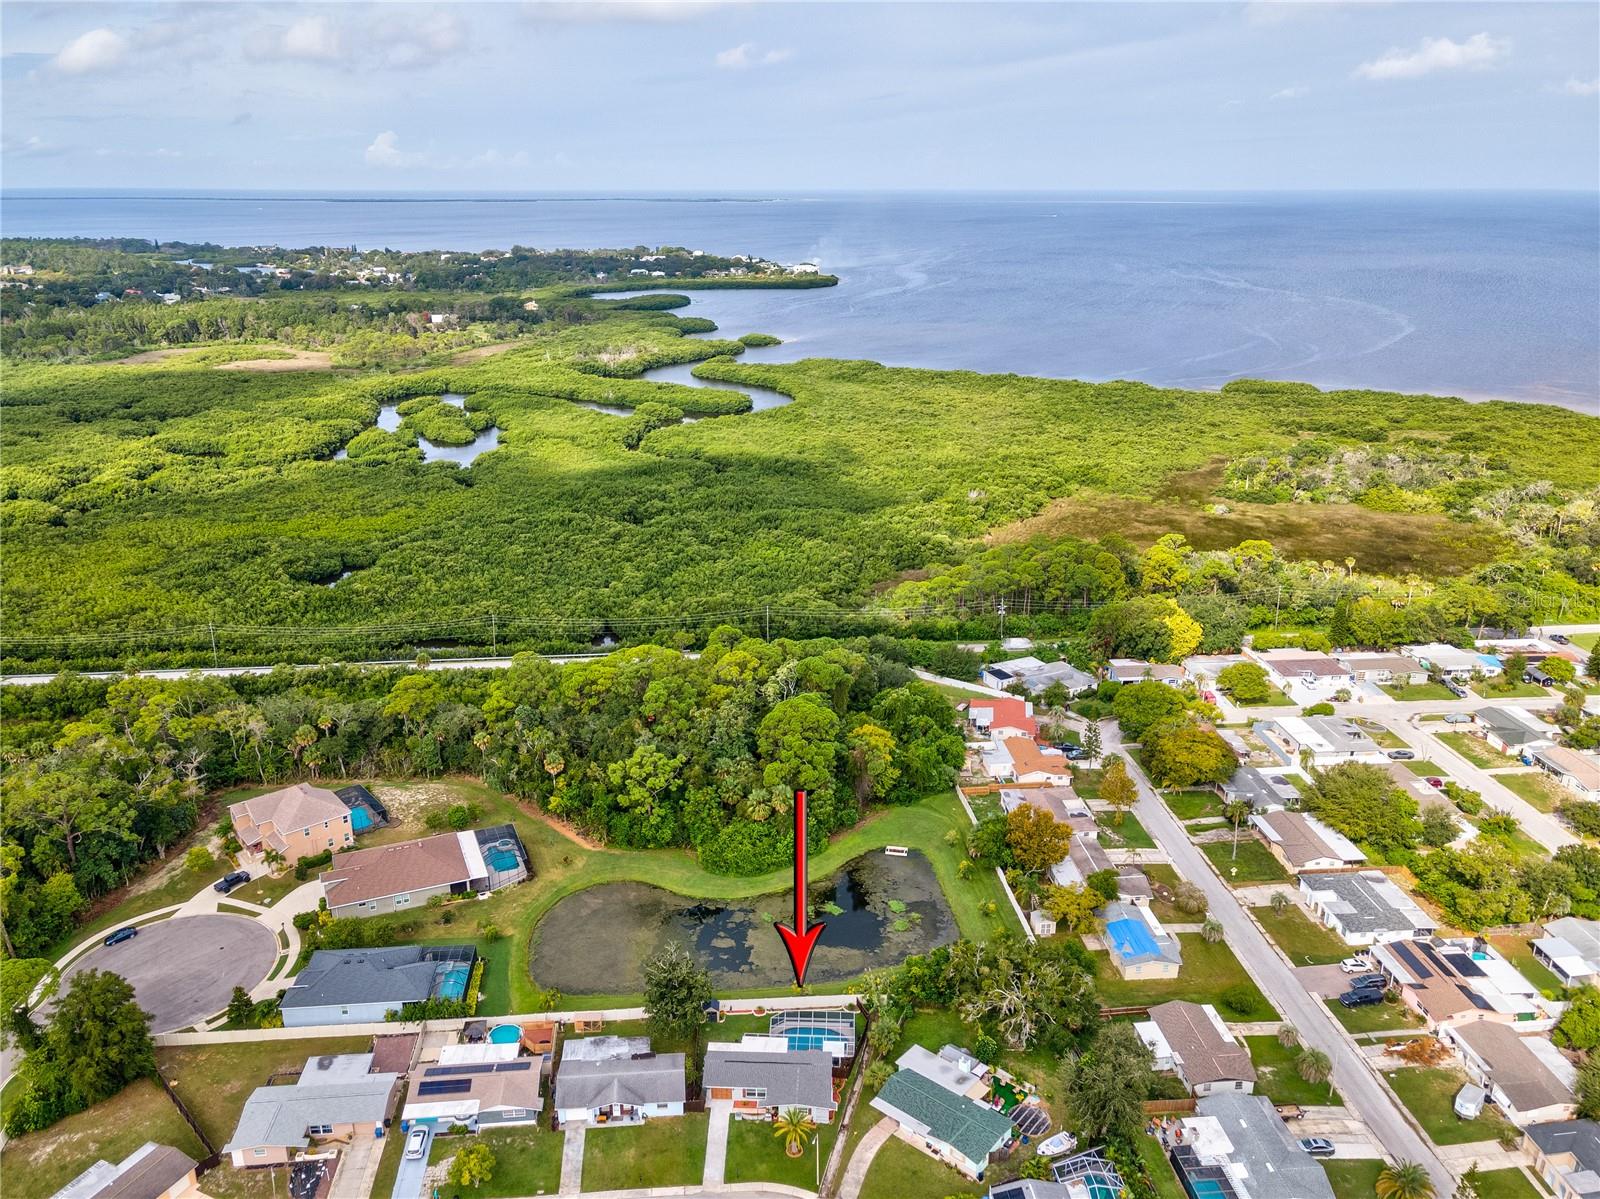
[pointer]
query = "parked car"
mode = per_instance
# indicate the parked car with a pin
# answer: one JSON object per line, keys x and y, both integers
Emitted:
{"x": 228, "y": 882}
{"x": 1436, "y": 783}
{"x": 1458, "y": 718}
{"x": 416, "y": 1143}
{"x": 121, "y": 935}
{"x": 1073, "y": 753}
{"x": 1362, "y": 997}
{"x": 1355, "y": 965}
{"x": 1560, "y": 638}
{"x": 1371, "y": 979}
{"x": 1209, "y": 696}
{"x": 1455, "y": 689}
{"x": 1401, "y": 755}
{"x": 1317, "y": 1146}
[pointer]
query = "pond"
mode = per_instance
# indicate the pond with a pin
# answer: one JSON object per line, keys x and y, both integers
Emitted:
{"x": 888, "y": 909}
{"x": 463, "y": 455}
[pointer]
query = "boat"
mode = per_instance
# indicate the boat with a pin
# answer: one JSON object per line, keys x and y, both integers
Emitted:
{"x": 1062, "y": 1142}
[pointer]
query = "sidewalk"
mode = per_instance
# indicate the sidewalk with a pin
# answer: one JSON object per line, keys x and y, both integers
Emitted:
{"x": 861, "y": 1160}
{"x": 721, "y": 1113}
{"x": 572, "y": 1159}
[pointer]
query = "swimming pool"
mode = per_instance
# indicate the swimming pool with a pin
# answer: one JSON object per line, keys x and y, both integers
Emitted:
{"x": 806, "y": 1037}
{"x": 454, "y": 983}
{"x": 360, "y": 819}
{"x": 504, "y": 859}
{"x": 505, "y": 1034}
{"x": 1204, "y": 1188}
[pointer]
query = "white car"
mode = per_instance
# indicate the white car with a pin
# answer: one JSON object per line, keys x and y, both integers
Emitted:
{"x": 1355, "y": 965}
{"x": 416, "y": 1143}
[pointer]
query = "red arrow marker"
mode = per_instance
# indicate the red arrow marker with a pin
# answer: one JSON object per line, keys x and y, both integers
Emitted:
{"x": 799, "y": 940}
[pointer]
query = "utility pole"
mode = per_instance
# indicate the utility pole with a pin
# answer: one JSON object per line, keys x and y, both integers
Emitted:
{"x": 766, "y": 623}
{"x": 494, "y": 635}
{"x": 215, "y": 658}
{"x": 1277, "y": 606}
{"x": 1001, "y": 609}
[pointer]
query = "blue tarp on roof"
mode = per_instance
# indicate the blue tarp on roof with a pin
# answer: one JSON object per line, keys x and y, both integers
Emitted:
{"x": 1132, "y": 939}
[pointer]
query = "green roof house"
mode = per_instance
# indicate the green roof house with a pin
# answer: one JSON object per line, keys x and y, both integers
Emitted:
{"x": 960, "y": 1132}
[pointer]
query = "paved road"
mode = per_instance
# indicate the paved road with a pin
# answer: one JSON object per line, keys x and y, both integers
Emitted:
{"x": 1362, "y": 1091}
{"x": 228, "y": 672}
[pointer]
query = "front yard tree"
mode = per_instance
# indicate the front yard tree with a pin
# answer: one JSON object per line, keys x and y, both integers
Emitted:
{"x": 1140, "y": 705}
{"x": 99, "y": 1037}
{"x": 1091, "y": 740}
{"x": 1037, "y": 839}
{"x": 1236, "y": 812}
{"x": 1181, "y": 752}
{"x": 473, "y": 1166}
{"x": 794, "y": 1127}
{"x": 676, "y": 991}
{"x": 1405, "y": 1180}
{"x": 1108, "y": 1084}
{"x": 1117, "y": 788}
{"x": 1244, "y": 683}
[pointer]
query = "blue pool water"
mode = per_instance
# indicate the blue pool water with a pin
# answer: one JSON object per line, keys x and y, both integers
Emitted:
{"x": 503, "y": 859}
{"x": 1204, "y": 1188}
{"x": 505, "y": 1034}
{"x": 360, "y": 819}
{"x": 812, "y": 1038}
{"x": 454, "y": 983}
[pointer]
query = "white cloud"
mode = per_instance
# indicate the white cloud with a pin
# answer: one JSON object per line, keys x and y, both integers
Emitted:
{"x": 1436, "y": 54}
{"x": 314, "y": 39}
{"x": 746, "y": 55}
{"x": 31, "y": 147}
{"x": 385, "y": 151}
{"x": 597, "y": 12}
{"x": 1297, "y": 92}
{"x": 495, "y": 160}
{"x": 1582, "y": 87}
{"x": 92, "y": 51}
{"x": 414, "y": 41}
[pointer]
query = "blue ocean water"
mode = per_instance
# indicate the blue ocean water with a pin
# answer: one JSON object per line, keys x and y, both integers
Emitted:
{"x": 1472, "y": 294}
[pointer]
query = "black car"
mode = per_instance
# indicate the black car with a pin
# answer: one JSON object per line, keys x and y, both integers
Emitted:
{"x": 121, "y": 935}
{"x": 1560, "y": 638}
{"x": 1362, "y": 996}
{"x": 1363, "y": 981}
{"x": 1074, "y": 753}
{"x": 229, "y": 881}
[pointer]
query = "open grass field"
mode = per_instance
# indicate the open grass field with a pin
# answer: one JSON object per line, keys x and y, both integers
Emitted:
{"x": 1502, "y": 688}
{"x": 658, "y": 1153}
{"x": 1429, "y": 1092}
{"x": 215, "y": 1080}
{"x": 1209, "y": 969}
{"x": 1193, "y": 805}
{"x": 41, "y": 1163}
{"x": 1354, "y": 1177}
{"x": 1277, "y": 1079}
{"x": 1305, "y": 941}
{"x": 1129, "y": 833}
{"x": 1510, "y": 1183}
{"x": 527, "y": 1161}
{"x": 1417, "y": 692}
{"x": 755, "y": 1154}
{"x": 1477, "y": 751}
{"x": 1253, "y": 863}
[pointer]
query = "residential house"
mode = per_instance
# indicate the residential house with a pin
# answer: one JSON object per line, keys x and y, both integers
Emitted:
{"x": 1008, "y": 717}
{"x": 761, "y": 1076}
{"x": 1578, "y": 773}
{"x": 1451, "y": 983}
{"x": 1384, "y": 669}
{"x": 1022, "y": 760}
{"x": 1062, "y": 803}
{"x": 362, "y": 986}
{"x": 1139, "y": 944}
{"x": 1452, "y": 661}
{"x": 151, "y": 1171}
{"x": 1566, "y": 1154}
{"x": 1513, "y": 731}
{"x": 1191, "y": 1040}
{"x": 933, "y": 1099}
{"x": 336, "y": 1098}
{"x": 391, "y": 878}
{"x": 1263, "y": 792}
{"x": 496, "y": 1094}
{"x": 1527, "y": 1077}
{"x": 1035, "y": 675}
{"x": 298, "y": 822}
{"x": 1317, "y": 741}
{"x": 1306, "y": 675}
{"x": 1571, "y": 950}
{"x": 1238, "y": 1147}
{"x": 617, "y": 1080}
{"x": 1365, "y": 907}
{"x": 1303, "y": 842}
{"x": 1132, "y": 670}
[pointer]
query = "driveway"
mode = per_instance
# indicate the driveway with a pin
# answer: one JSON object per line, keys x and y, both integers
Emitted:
{"x": 1328, "y": 981}
{"x": 1363, "y": 1092}
{"x": 185, "y": 969}
{"x": 408, "y": 1180}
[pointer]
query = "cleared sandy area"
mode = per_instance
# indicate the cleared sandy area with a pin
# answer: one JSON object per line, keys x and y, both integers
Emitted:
{"x": 298, "y": 360}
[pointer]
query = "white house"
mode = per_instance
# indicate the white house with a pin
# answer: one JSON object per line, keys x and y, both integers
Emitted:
{"x": 1364, "y": 907}
{"x": 1320, "y": 741}
{"x": 1452, "y": 661}
{"x": 1578, "y": 773}
{"x": 1526, "y": 1076}
{"x": 1571, "y": 950}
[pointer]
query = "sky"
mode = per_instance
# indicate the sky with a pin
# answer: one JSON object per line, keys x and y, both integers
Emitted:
{"x": 701, "y": 96}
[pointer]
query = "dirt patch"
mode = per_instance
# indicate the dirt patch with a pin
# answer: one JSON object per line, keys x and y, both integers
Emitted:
{"x": 296, "y": 360}
{"x": 149, "y": 356}
{"x": 566, "y": 830}
{"x": 479, "y": 353}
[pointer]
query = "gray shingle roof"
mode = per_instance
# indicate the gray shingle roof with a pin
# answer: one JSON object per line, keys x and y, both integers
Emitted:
{"x": 1581, "y": 1138}
{"x": 794, "y": 1079}
{"x": 1368, "y": 902}
{"x": 401, "y": 974}
{"x": 279, "y": 1116}
{"x": 1276, "y": 1166}
{"x": 657, "y": 1078}
{"x": 971, "y": 1129}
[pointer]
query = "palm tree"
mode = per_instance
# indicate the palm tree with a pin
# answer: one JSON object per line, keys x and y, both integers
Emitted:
{"x": 1288, "y": 1036}
{"x": 1314, "y": 1066}
{"x": 1404, "y": 1180}
{"x": 794, "y": 1126}
{"x": 1211, "y": 930}
{"x": 1280, "y": 901}
{"x": 1236, "y": 810}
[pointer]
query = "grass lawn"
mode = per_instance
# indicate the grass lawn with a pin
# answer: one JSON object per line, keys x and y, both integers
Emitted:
{"x": 394, "y": 1148}
{"x": 1354, "y": 1178}
{"x": 1422, "y": 768}
{"x": 1162, "y": 1178}
{"x": 1499, "y": 688}
{"x": 985, "y": 806}
{"x": 1192, "y": 805}
{"x": 41, "y": 1163}
{"x": 1535, "y": 788}
{"x": 1510, "y": 1183}
{"x": 1167, "y": 875}
{"x": 1381, "y": 734}
{"x": 755, "y": 1154}
{"x": 1130, "y": 833}
{"x": 1476, "y": 750}
{"x": 1209, "y": 969}
{"x": 215, "y": 1080}
{"x": 267, "y": 890}
{"x": 1254, "y": 863}
{"x": 901, "y": 1172}
{"x": 1305, "y": 941}
{"x": 1375, "y": 1017}
{"x": 659, "y": 1153}
{"x": 1428, "y": 1093}
{"x": 1516, "y": 950}
{"x": 1414, "y": 692}
{"x": 1277, "y": 1079}
{"x": 527, "y": 1161}
{"x": 1275, "y": 699}
{"x": 1585, "y": 640}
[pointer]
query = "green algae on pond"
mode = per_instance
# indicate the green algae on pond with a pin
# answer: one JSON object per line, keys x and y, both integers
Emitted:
{"x": 878, "y": 909}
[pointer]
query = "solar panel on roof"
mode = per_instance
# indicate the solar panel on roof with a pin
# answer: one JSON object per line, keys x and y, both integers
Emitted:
{"x": 444, "y": 1086}
{"x": 1403, "y": 952}
{"x": 1464, "y": 966}
{"x": 1473, "y": 997}
{"x": 479, "y": 1068}
{"x": 1008, "y": 1193}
